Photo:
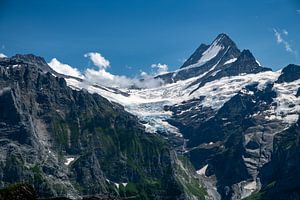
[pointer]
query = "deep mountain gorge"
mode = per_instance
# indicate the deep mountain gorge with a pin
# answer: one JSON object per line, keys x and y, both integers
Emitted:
{"x": 220, "y": 127}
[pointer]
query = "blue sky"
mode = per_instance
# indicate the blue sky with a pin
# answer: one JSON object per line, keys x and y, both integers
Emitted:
{"x": 134, "y": 34}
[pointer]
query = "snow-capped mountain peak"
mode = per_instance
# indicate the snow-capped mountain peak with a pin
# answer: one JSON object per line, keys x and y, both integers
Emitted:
{"x": 205, "y": 60}
{"x": 205, "y": 53}
{"x": 224, "y": 40}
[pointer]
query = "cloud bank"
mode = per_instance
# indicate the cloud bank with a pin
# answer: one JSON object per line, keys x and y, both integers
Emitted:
{"x": 65, "y": 69}
{"x": 101, "y": 76}
{"x": 107, "y": 79}
{"x": 161, "y": 68}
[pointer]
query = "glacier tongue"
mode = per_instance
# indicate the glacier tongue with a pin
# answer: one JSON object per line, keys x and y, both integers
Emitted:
{"x": 153, "y": 117}
{"x": 146, "y": 104}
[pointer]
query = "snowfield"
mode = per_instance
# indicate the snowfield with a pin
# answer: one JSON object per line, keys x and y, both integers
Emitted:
{"x": 207, "y": 55}
{"x": 148, "y": 104}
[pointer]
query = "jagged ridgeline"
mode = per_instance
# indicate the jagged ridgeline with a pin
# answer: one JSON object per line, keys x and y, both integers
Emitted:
{"x": 72, "y": 143}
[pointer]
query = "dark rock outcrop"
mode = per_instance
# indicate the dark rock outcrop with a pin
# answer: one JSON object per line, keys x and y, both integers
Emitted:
{"x": 281, "y": 177}
{"x": 289, "y": 74}
{"x": 19, "y": 191}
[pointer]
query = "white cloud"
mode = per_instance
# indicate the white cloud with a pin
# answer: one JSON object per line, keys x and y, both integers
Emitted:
{"x": 98, "y": 60}
{"x": 107, "y": 79}
{"x": 143, "y": 74}
{"x": 280, "y": 40}
{"x": 65, "y": 69}
{"x": 102, "y": 77}
{"x": 161, "y": 68}
{"x": 298, "y": 11}
{"x": 278, "y": 36}
{"x": 148, "y": 80}
{"x": 2, "y": 55}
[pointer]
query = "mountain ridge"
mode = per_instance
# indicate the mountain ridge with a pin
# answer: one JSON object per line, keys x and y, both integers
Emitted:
{"x": 220, "y": 57}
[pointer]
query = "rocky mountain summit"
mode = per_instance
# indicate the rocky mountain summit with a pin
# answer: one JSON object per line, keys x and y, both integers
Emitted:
{"x": 220, "y": 127}
{"x": 211, "y": 62}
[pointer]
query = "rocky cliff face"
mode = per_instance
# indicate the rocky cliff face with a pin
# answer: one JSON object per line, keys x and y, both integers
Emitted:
{"x": 280, "y": 178}
{"x": 72, "y": 143}
{"x": 250, "y": 142}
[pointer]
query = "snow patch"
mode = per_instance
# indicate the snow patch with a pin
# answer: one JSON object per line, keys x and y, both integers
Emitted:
{"x": 287, "y": 107}
{"x": 16, "y": 66}
{"x": 208, "y": 55}
{"x": 270, "y": 117}
{"x": 220, "y": 91}
{"x": 258, "y": 62}
{"x": 215, "y": 72}
{"x": 248, "y": 187}
{"x": 251, "y": 186}
{"x": 117, "y": 184}
{"x": 247, "y": 92}
{"x": 4, "y": 90}
{"x": 69, "y": 160}
{"x": 202, "y": 170}
{"x": 232, "y": 60}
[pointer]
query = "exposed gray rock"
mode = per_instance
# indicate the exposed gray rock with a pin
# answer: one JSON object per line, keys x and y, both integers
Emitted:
{"x": 289, "y": 73}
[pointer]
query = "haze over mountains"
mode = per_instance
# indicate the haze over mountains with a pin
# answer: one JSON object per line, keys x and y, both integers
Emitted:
{"x": 219, "y": 127}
